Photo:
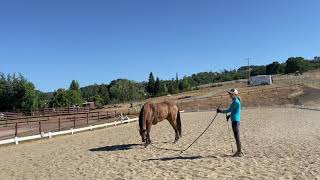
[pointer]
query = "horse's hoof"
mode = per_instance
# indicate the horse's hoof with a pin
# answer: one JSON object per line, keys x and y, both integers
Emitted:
{"x": 146, "y": 145}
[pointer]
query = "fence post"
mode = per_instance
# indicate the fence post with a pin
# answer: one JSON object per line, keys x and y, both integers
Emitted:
{"x": 107, "y": 114}
{"x": 40, "y": 127}
{"x": 115, "y": 113}
{"x": 87, "y": 118}
{"x": 59, "y": 124}
{"x": 98, "y": 116}
{"x": 16, "y": 130}
{"x": 74, "y": 121}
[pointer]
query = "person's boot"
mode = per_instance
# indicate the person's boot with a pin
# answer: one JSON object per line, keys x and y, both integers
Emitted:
{"x": 239, "y": 152}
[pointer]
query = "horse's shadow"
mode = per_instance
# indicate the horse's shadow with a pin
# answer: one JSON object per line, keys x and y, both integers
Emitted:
{"x": 122, "y": 147}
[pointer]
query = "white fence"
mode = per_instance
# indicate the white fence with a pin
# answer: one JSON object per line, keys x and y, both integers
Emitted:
{"x": 16, "y": 140}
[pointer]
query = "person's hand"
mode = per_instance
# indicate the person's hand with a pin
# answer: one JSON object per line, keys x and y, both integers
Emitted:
{"x": 228, "y": 117}
{"x": 219, "y": 110}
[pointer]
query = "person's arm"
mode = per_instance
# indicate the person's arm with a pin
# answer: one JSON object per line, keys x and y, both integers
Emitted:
{"x": 227, "y": 110}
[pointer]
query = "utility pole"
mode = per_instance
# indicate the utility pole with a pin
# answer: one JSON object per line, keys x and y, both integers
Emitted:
{"x": 248, "y": 59}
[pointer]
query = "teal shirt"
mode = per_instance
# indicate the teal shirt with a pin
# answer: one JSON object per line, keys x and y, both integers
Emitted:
{"x": 234, "y": 109}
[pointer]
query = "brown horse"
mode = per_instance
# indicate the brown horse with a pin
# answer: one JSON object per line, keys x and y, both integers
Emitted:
{"x": 152, "y": 113}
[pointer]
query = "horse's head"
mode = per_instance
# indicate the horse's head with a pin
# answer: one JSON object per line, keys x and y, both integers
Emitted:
{"x": 143, "y": 134}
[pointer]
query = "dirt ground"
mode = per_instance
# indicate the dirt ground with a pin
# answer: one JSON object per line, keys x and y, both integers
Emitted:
{"x": 279, "y": 143}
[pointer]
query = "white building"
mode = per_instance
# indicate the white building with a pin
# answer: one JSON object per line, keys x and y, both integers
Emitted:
{"x": 260, "y": 80}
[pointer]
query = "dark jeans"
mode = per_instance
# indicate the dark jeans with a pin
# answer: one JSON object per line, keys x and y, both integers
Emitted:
{"x": 236, "y": 133}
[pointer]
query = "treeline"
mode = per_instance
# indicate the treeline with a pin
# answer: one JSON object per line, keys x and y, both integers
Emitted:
{"x": 291, "y": 65}
{"x": 16, "y": 92}
{"x": 118, "y": 91}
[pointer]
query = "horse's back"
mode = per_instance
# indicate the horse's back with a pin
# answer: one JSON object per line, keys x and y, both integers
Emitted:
{"x": 162, "y": 110}
{"x": 168, "y": 105}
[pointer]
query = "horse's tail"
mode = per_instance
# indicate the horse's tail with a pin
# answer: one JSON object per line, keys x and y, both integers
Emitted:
{"x": 141, "y": 119}
{"x": 179, "y": 123}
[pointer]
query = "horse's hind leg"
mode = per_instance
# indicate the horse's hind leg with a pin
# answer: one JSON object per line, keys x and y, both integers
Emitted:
{"x": 174, "y": 126}
{"x": 177, "y": 136}
{"x": 148, "y": 140}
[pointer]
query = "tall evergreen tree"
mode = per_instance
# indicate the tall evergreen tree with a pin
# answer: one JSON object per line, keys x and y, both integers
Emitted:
{"x": 157, "y": 87}
{"x": 74, "y": 86}
{"x": 151, "y": 85}
{"x": 184, "y": 84}
{"x": 74, "y": 94}
{"x": 172, "y": 89}
{"x": 163, "y": 89}
{"x": 177, "y": 82}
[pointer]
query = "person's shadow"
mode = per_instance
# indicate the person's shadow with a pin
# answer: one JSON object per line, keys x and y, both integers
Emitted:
{"x": 122, "y": 147}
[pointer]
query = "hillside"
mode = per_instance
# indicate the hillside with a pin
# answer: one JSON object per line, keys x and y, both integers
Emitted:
{"x": 288, "y": 91}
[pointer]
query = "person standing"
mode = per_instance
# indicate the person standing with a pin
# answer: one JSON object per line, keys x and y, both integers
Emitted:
{"x": 235, "y": 110}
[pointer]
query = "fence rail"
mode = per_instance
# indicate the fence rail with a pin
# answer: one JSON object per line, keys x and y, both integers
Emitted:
{"x": 17, "y": 139}
{"x": 44, "y": 112}
{"x": 25, "y": 126}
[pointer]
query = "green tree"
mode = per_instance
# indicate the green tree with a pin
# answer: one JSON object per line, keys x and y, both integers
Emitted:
{"x": 74, "y": 93}
{"x": 151, "y": 85}
{"x": 16, "y": 92}
{"x": 74, "y": 86}
{"x": 98, "y": 101}
{"x": 104, "y": 93}
{"x": 258, "y": 70}
{"x": 177, "y": 82}
{"x": 60, "y": 99}
{"x": 88, "y": 92}
{"x": 163, "y": 89}
{"x": 29, "y": 99}
{"x": 43, "y": 99}
{"x": 184, "y": 85}
{"x": 274, "y": 68}
{"x": 172, "y": 88}
{"x": 157, "y": 87}
{"x": 297, "y": 64}
{"x": 123, "y": 90}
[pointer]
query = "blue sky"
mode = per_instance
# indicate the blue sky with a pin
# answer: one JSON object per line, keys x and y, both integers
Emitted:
{"x": 96, "y": 41}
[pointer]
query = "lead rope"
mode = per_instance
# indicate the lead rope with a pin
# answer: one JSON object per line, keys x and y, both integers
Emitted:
{"x": 182, "y": 151}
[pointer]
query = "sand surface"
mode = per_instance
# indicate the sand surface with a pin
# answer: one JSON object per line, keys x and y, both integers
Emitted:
{"x": 279, "y": 143}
